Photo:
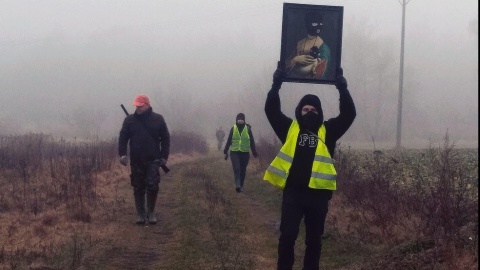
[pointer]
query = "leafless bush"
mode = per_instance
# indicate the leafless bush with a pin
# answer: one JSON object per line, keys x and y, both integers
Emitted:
{"x": 39, "y": 172}
{"x": 448, "y": 199}
{"x": 267, "y": 151}
{"x": 187, "y": 142}
{"x": 412, "y": 196}
{"x": 373, "y": 192}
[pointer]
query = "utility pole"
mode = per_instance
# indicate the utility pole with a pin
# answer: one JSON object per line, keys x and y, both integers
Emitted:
{"x": 400, "y": 87}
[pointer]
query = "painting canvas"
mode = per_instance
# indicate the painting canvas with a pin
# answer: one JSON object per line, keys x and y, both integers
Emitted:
{"x": 311, "y": 46}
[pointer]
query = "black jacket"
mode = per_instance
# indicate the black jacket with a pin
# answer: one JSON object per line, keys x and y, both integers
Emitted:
{"x": 145, "y": 133}
{"x": 301, "y": 169}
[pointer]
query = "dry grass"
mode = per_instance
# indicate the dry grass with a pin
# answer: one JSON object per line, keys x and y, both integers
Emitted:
{"x": 57, "y": 211}
{"x": 59, "y": 200}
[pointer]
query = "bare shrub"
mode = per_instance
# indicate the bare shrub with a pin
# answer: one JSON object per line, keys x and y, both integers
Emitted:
{"x": 41, "y": 172}
{"x": 267, "y": 151}
{"x": 187, "y": 142}
{"x": 50, "y": 178}
{"x": 448, "y": 201}
{"x": 373, "y": 193}
{"x": 426, "y": 200}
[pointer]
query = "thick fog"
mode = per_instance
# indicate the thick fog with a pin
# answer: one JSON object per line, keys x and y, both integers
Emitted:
{"x": 66, "y": 66}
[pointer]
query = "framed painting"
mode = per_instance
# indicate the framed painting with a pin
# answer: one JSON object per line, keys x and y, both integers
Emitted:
{"x": 311, "y": 47}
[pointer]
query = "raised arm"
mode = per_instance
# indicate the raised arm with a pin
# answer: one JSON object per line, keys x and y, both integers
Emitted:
{"x": 279, "y": 121}
{"x": 337, "y": 126}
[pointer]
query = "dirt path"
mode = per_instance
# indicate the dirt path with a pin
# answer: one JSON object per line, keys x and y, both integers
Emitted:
{"x": 142, "y": 247}
{"x": 203, "y": 224}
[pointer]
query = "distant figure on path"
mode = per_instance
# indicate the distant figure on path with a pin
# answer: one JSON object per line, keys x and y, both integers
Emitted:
{"x": 220, "y": 134}
{"x": 149, "y": 141}
{"x": 240, "y": 141}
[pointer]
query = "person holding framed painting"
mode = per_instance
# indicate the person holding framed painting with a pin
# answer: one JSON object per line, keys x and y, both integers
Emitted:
{"x": 304, "y": 167}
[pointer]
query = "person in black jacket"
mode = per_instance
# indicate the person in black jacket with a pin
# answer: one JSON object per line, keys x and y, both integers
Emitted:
{"x": 149, "y": 139}
{"x": 240, "y": 141}
{"x": 307, "y": 185}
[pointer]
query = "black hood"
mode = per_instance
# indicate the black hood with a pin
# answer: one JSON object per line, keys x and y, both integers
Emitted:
{"x": 309, "y": 100}
{"x": 240, "y": 116}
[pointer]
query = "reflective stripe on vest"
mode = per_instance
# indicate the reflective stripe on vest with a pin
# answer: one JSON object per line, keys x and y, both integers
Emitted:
{"x": 240, "y": 142}
{"x": 323, "y": 175}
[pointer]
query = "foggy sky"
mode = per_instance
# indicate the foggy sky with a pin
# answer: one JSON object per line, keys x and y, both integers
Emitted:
{"x": 66, "y": 66}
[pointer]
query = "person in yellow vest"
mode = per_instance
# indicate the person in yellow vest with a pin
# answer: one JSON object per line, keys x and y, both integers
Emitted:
{"x": 239, "y": 142}
{"x": 304, "y": 167}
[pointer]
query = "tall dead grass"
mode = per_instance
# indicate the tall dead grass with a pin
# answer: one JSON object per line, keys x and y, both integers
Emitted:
{"x": 51, "y": 192}
{"x": 45, "y": 182}
{"x": 422, "y": 203}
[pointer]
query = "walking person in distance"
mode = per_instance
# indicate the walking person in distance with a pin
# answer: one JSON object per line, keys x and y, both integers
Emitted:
{"x": 220, "y": 134}
{"x": 240, "y": 141}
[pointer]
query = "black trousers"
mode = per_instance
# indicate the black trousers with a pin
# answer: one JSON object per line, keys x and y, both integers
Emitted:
{"x": 239, "y": 163}
{"x": 145, "y": 177}
{"x": 312, "y": 205}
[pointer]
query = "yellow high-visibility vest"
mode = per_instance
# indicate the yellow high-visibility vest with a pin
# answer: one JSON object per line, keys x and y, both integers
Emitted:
{"x": 324, "y": 175}
{"x": 240, "y": 142}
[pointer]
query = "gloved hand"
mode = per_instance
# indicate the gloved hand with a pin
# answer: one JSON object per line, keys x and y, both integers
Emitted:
{"x": 279, "y": 74}
{"x": 163, "y": 162}
{"x": 124, "y": 160}
{"x": 226, "y": 156}
{"x": 341, "y": 82}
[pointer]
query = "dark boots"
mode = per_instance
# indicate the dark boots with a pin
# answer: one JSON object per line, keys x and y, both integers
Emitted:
{"x": 143, "y": 215}
{"x": 151, "y": 200}
{"x": 140, "y": 207}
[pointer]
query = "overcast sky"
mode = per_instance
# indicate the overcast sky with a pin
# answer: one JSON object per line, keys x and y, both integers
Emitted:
{"x": 61, "y": 57}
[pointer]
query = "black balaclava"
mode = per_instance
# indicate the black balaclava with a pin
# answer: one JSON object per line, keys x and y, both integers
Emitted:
{"x": 310, "y": 121}
{"x": 314, "y": 17}
{"x": 242, "y": 117}
{"x": 240, "y": 126}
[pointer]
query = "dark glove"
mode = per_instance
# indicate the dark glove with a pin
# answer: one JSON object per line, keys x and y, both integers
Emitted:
{"x": 163, "y": 162}
{"x": 124, "y": 160}
{"x": 340, "y": 82}
{"x": 226, "y": 156}
{"x": 279, "y": 74}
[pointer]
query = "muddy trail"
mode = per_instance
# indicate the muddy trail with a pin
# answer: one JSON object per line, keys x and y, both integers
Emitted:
{"x": 203, "y": 223}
